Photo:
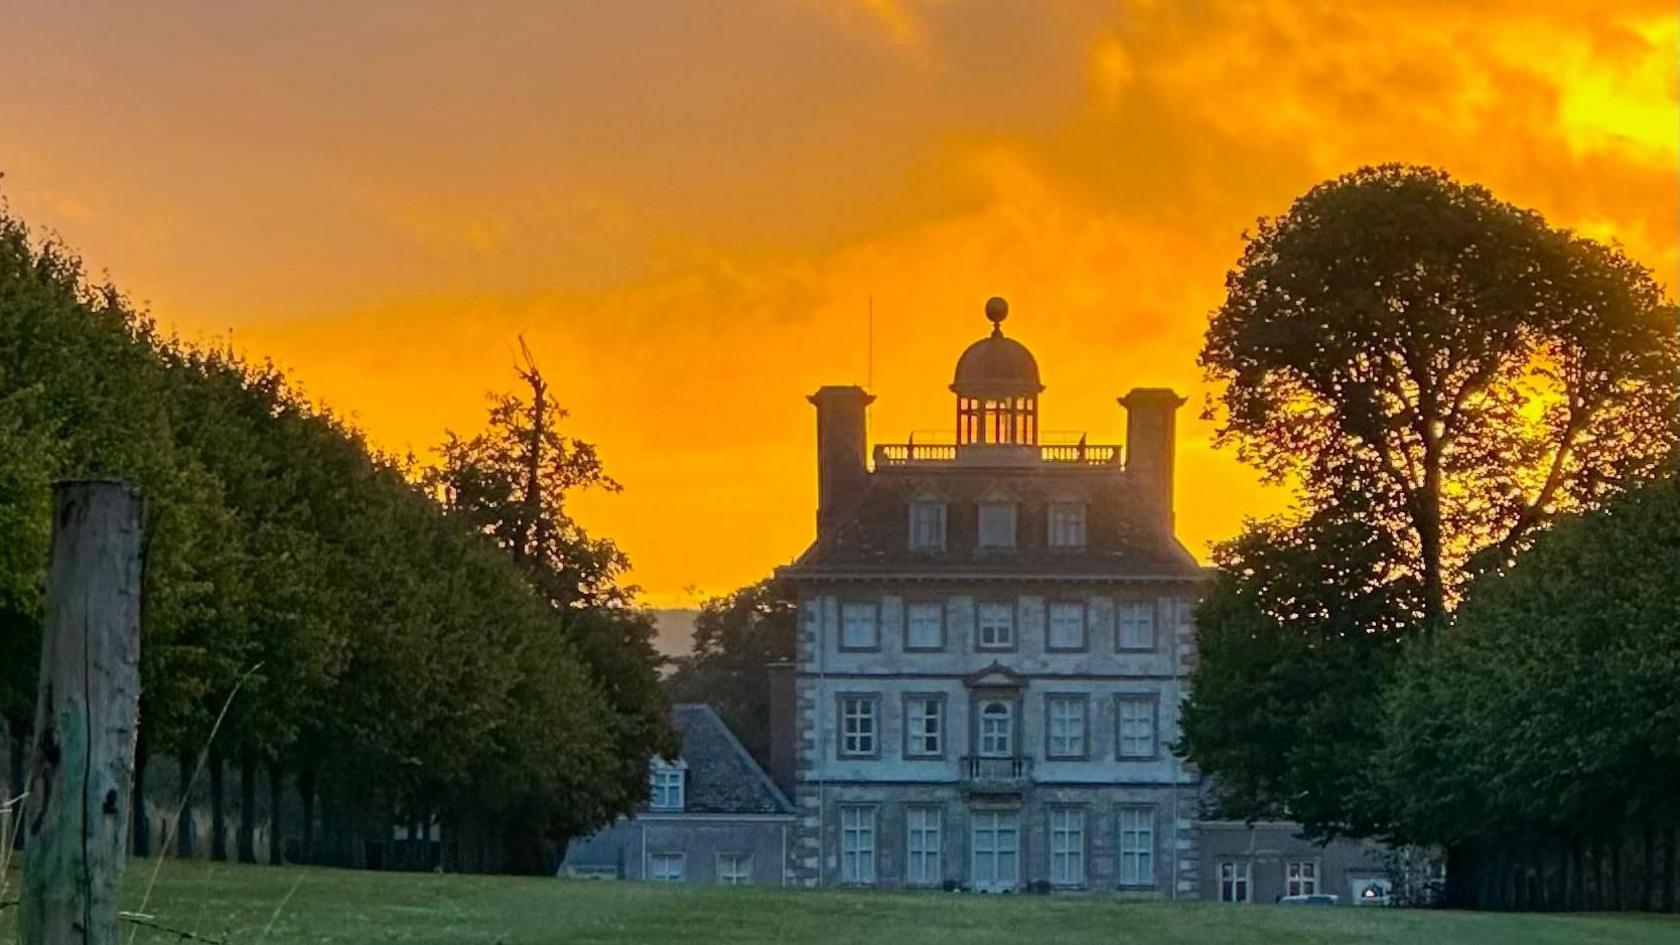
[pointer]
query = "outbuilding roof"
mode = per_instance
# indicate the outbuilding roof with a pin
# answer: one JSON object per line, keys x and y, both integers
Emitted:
{"x": 722, "y": 778}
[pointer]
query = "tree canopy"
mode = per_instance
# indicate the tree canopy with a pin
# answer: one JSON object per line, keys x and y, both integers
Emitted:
{"x": 1548, "y": 714}
{"x": 1438, "y": 375}
{"x": 394, "y": 649}
{"x": 1466, "y": 368}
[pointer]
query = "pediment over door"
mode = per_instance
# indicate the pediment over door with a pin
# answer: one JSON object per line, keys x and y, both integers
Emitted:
{"x": 995, "y": 676}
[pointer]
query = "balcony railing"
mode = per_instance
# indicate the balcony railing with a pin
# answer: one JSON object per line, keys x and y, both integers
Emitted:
{"x": 1069, "y": 454}
{"x": 1011, "y": 773}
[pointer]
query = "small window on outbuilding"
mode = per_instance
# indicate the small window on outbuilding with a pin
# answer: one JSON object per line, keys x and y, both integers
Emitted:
{"x": 667, "y": 787}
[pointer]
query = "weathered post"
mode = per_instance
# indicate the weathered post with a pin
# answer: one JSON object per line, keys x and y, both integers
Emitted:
{"x": 82, "y": 754}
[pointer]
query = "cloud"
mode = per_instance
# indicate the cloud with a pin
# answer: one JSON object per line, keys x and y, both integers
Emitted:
{"x": 688, "y": 211}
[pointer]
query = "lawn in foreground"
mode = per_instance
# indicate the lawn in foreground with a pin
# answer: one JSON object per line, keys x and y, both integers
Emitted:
{"x": 250, "y": 904}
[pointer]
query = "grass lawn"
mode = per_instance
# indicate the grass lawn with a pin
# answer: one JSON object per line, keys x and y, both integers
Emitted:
{"x": 248, "y": 904}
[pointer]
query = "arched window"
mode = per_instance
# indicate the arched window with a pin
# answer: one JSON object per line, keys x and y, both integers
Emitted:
{"x": 997, "y": 730}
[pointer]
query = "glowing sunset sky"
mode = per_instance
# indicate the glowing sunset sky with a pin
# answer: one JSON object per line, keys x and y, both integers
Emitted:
{"x": 685, "y": 207}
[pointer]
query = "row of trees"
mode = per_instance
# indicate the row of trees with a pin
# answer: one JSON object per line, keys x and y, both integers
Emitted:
{"x": 401, "y": 642}
{"x": 1415, "y": 655}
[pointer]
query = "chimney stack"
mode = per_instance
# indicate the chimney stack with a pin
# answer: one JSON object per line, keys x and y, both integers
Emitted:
{"x": 784, "y": 754}
{"x": 1151, "y": 419}
{"x": 842, "y": 450}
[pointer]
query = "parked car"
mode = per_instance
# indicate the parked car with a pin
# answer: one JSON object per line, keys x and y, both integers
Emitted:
{"x": 1311, "y": 899}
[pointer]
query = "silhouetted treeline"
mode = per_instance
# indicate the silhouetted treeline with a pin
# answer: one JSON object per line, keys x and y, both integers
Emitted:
{"x": 383, "y": 655}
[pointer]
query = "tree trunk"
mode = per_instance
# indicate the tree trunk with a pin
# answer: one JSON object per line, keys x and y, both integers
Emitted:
{"x": 1428, "y": 520}
{"x": 1648, "y": 875}
{"x": 82, "y": 759}
{"x": 1618, "y": 900}
{"x": 306, "y": 793}
{"x": 184, "y": 822}
{"x": 7, "y": 791}
{"x": 1668, "y": 869}
{"x": 247, "y": 804}
{"x": 276, "y": 791}
{"x": 1598, "y": 898}
{"x": 1576, "y": 876}
{"x": 218, "y": 811}
{"x": 1460, "y": 890}
{"x": 142, "y": 824}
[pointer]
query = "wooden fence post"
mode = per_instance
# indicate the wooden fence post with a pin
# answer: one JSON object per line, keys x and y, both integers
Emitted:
{"x": 82, "y": 755}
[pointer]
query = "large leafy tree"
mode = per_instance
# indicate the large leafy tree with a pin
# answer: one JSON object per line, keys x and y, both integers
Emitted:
{"x": 1438, "y": 373}
{"x": 1466, "y": 368}
{"x": 511, "y": 482}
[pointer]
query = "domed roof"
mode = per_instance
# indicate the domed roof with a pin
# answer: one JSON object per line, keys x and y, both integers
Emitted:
{"x": 996, "y": 366}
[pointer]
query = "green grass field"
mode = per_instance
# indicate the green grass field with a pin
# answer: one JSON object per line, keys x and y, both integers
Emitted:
{"x": 243, "y": 904}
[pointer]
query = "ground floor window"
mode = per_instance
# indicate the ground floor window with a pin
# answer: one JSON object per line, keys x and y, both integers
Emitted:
{"x": 1233, "y": 881}
{"x": 997, "y": 849}
{"x": 1137, "y": 846}
{"x": 734, "y": 869}
{"x": 1067, "y": 846}
{"x": 1300, "y": 878}
{"x": 923, "y": 829}
{"x": 857, "y": 844}
{"x": 665, "y": 867}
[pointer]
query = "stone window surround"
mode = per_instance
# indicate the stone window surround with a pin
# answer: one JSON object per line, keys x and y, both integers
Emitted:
{"x": 940, "y": 604}
{"x": 1151, "y": 817}
{"x": 873, "y": 812}
{"x": 1242, "y": 871}
{"x": 840, "y": 698}
{"x": 944, "y": 726}
{"x": 1154, "y": 701}
{"x": 840, "y": 634}
{"x": 1084, "y": 810}
{"x": 1013, "y": 604}
{"x": 1050, "y": 604}
{"x": 1084, "y": 700}
{"x": 745, "y": 860}
{"x": 1315, "y": 879}
{"x": 938, "y": 852}
{"x": 1121, "y": 603}
{"x": 978, "y": 698}
{"x": 678, "y": 856}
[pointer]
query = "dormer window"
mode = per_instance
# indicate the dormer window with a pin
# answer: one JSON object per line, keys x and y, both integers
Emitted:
{"x": 667, "y": 787}
{"x": 1067, "y": 525}
{"x": 997, "y": 524}
{"x": 927, "y": 525}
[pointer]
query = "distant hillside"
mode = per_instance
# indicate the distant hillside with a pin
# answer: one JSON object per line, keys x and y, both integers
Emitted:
{"x": 674, "y": 631}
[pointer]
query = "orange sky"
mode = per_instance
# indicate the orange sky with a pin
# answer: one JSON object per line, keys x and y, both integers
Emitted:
{"x": 685, "y": 207}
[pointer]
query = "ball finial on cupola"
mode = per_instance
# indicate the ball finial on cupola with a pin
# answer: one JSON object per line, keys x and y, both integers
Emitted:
{"x": 997, "y": 309}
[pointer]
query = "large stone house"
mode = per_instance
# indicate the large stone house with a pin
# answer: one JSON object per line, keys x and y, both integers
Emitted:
{"x": 994, "y": 634}
{"x": 994, "y": 640}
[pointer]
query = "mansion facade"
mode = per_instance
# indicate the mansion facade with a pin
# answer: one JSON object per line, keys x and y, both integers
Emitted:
{"x": 994, "y": 640}
{"x": 994, "y": 632}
